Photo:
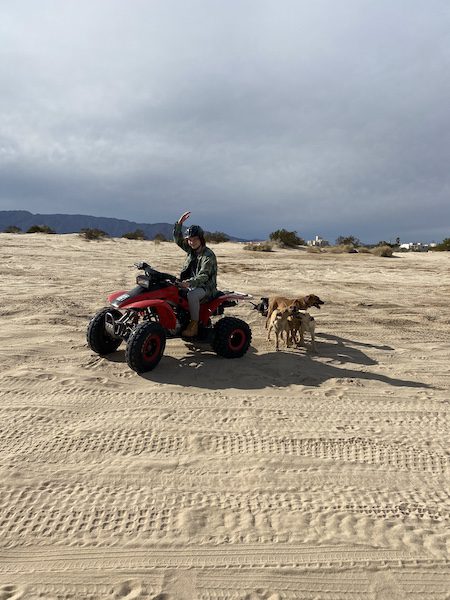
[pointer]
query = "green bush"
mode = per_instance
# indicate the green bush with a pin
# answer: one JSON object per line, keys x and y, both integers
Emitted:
{"x": 259, "y": 247}
{"x": 444, "y": 246}
{"x": 287, "y": 238}
{"x": 92, "y": 234}
{"x": 12, "y": 229}
{"x": 40, "y": 229}
{"x": 135, "y": 235}
{"x": 349, "y": 240}
{"x": 160, "y": 237}
{"x": 383, "y": 251}
{"x": 216, "y": 237}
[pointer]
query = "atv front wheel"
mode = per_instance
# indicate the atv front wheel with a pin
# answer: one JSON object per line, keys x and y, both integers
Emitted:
{"x": 145, "y": 347}
{"x": 98, "y": 338}
{"x": 232, "y": 337}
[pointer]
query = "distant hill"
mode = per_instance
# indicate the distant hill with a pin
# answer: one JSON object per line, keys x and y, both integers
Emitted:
{"x": 74, "y": 223}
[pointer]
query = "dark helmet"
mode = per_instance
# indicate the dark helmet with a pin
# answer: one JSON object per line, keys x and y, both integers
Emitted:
{"x": 194, "y": 231}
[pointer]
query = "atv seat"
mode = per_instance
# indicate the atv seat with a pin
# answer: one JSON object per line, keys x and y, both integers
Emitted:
{"x": 184, "y": 292}
{"x": 216, "y": 294}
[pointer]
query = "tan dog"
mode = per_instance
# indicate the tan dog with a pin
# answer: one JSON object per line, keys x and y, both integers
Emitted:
{"x": 301, "y": 303}
{"x": 299, "y": 324}
{"x": 279, "y": 322}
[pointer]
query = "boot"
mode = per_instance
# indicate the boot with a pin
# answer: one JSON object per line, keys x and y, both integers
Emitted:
{"x": 191, "y": 330}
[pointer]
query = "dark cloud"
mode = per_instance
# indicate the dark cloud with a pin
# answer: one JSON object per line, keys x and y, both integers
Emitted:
{"x": 323, "y": 117}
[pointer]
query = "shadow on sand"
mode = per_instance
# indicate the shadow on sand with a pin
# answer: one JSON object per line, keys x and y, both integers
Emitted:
{"x": 202, "y": 368}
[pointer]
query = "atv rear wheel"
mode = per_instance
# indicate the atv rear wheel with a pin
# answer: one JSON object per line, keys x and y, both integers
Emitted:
{"x": 232, "y": 337}
{"x": 98, "y": 338}
{"x": 145, "y": 347}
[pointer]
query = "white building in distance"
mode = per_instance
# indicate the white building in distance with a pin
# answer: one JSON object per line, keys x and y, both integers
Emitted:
{"x": 318, "y": 241}
{"x": 414, "y": 247}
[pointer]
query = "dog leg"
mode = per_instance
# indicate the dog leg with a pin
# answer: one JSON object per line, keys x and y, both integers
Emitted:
{"x": 313, "y": 336}
{"x": 302, "y": 338}
{"x": 288, "y": 339}
{"x": 277, "y": 345}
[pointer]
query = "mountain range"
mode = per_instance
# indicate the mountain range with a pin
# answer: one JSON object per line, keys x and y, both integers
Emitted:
{"x": 74, "y": 223}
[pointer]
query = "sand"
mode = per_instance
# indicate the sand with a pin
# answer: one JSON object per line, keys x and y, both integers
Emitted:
{"x": 281, "y": 475}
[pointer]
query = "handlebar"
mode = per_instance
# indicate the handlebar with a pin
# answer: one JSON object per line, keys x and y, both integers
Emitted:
{"x": 150, "y": 272}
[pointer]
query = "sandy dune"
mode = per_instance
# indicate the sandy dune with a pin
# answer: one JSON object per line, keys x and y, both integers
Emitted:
{"x": 286, "y": 475}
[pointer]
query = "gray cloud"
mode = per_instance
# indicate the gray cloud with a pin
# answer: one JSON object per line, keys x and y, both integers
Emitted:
{"x": 322, "y": 117}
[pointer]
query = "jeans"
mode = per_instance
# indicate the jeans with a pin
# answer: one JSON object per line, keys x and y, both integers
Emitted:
{"x": 193, "y": 297}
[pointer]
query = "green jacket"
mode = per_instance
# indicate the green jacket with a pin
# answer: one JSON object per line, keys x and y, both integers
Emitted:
{"x": 205, "y": 275}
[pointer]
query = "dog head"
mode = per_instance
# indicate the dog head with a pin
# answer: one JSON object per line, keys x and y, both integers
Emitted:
{"x": 286, "y": 313}
{"x": 313, "y": 300}
{"x": 262, "y": 307}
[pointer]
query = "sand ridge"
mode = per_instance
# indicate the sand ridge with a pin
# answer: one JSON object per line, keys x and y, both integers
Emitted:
{"x": 279, "y": 475}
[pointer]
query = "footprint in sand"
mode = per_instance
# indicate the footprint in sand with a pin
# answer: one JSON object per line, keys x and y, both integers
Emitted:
{"x": 261, "y": 594}
{"x": 11, "y": 592}
{"x": 128, "y": 590}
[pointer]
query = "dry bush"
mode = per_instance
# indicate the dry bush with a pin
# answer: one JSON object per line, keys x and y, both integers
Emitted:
{"x": 342, "y": 249}
{"x": 314, "y": 250}
{"x": 90, "y": 234}
{"x": 160, "y": 237}
{"x": 216, "y": 237}
{"x": 40, "y": 229}
{"x": 363, "y": 250}
{"x": 289, "y": 239}
{"x": 383, "y": 251}
{"x": 278, "y": 244}
{"x": 259, "y": 247}
{"x": 135, "y": 235}
{"x": 157, "y": 241}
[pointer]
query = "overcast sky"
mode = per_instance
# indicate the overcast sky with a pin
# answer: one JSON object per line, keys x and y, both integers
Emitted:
{"x": 318, "y": 116}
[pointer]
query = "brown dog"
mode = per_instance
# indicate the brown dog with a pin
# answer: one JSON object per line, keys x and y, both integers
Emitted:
{"x": 299, "y": 324}
{"x": 279, "y": 322}
{"x": 301, "y": 303}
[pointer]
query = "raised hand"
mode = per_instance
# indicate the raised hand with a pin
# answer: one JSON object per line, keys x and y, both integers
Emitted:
{"x": 184, "y": 217}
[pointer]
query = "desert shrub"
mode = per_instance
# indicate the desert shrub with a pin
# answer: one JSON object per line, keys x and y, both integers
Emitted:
{"x": 290, "y": 239}
{"x": 259, "y": 247}
{"x": 341, "y": 249}
{"x": 12, "y": 229}
{"x": 135, "y": 235}
{"x": 444, "y": 246}
{"x": 363, "y": 250}
{"x": 40, "y": 229}
{"x": 348, "y": 240}
{"x": 383, "y": 251}
{"x": 160, "y": 237}
{"x": 216, "y": 237}
{"x": 314, "y": 250}
{"x": 93, "y": 234}
{"x": 384, "y": 243}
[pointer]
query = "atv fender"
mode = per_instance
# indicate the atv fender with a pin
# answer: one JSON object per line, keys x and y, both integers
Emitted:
{"x": 116, "y": 295}
{"x": 166, "y": 315}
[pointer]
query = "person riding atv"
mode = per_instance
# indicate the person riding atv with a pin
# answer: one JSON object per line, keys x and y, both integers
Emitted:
{"x": 199, "y": 273}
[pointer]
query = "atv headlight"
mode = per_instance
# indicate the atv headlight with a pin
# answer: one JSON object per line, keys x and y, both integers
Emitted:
{"x": 143, "y": 281}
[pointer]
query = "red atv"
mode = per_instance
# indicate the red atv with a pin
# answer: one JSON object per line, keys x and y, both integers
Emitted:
{"x": 157, "y": 309}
